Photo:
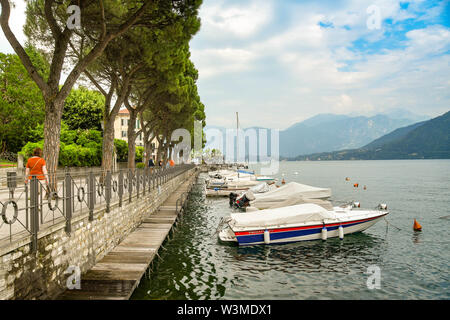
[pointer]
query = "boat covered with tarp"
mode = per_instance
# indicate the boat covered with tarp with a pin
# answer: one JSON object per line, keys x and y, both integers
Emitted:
{"x": 296, "y": 223}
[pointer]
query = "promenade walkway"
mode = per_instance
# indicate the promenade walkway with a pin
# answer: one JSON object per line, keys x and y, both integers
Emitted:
{"x": 119, "y": 272}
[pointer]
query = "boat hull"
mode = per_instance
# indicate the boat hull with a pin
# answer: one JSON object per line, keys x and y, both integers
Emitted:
{"x": 304, "y": 233}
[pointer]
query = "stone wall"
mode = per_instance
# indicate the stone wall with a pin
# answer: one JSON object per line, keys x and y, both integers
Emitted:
{"x": 41, "y": 275}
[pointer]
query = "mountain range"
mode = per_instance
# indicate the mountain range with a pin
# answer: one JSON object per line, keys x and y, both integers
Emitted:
{"x": 332, "y": 132}
{"x": 423, "y": 140}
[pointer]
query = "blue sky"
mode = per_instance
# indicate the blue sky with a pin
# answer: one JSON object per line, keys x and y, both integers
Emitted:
{"x": 278, "y": 62}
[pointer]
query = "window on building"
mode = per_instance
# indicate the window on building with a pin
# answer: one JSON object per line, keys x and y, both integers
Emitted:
{"x": 124, "y": 134}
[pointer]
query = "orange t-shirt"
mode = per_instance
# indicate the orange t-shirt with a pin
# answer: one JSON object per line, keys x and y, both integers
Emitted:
{"x": 35, "y": 164}
{"x": 171, "y": 162}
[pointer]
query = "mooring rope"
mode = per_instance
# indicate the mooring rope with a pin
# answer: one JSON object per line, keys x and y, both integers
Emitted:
{"x": 387, "y": 222}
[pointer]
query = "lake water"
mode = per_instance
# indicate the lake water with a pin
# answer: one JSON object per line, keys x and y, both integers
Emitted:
{"x": 412, "y": 265}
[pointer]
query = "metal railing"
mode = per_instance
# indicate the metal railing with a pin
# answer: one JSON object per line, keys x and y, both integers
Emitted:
{"x": 27, "y": 208}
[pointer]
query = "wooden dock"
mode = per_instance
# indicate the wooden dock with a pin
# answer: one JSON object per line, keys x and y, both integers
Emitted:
{"x": 119, "y": 272}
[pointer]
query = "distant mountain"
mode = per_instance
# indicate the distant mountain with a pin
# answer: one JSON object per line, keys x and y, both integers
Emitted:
{"x": 394, "y": 136}
{"x": 330, "y": 132}
{"x": 323, "y": 133}
{"x": 319, "y": 119}
{"x": 424, "y": 140}
{"x": 406, "y": 114}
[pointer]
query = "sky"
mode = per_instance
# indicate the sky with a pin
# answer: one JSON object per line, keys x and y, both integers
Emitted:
{"x": 278, "y": 62}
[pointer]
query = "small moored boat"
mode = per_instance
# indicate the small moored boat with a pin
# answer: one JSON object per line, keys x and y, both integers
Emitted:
{"x": 297, "y": 223}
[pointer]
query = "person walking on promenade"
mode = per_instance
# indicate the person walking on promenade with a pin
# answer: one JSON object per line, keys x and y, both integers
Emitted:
{"x": 151, "y": 163}
{"x": 36, "y": 167}
{"x": 171, "y": 163}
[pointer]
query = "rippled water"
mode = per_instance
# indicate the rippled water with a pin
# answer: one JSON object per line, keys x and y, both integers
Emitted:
{"x": 412, "y": 265}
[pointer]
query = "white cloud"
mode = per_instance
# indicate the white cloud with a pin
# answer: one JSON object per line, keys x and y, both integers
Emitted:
{"x": 16, "y": 22}
{"x": 242, "y": 21}
{"x": 213, "y": 62}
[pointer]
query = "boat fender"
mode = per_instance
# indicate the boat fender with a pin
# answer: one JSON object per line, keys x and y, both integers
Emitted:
{"x": 324, "y": 233}
{"x": 341, "y": 232}
{"x": 266, "y": 236}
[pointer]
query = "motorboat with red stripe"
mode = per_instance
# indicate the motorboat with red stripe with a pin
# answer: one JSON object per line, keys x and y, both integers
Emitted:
{"x": 297, "y": 223}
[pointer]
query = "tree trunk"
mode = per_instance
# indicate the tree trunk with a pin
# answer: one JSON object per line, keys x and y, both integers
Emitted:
{"x": 52, "y": 131}
{"x": 108, "y": 144}
{"x": 132, "y": 139}
{"x": 159, "y": 152}
{"x": 148, "y": 146}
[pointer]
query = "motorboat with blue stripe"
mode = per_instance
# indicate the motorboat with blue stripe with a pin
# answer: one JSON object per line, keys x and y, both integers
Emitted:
{"x": 302, "y": 222}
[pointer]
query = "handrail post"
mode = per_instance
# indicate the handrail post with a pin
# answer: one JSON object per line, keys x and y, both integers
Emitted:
{"x": 130, "y": 185}
{"x": 34, "y": 218}
{"x": 138, "y": 177}
{"x": 91, "y": 193}
{"x": 144, "y": 180}
{"x": 108, "y": 190}
{"x": 120, "y": 187}
{"x": 68, "y": 206}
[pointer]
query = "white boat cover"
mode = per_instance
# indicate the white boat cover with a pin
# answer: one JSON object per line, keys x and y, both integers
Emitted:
{"x": 249, "y": 195}
{"x": 271, "y": 218}
{"x": 294, "y": 201}
{"x": 262, "y": 188}
{"x": 290, "y": 193}
{"x": 242, "y": 184}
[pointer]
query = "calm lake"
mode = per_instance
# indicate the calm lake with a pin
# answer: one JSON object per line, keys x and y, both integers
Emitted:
{"x": 412, "y": 265}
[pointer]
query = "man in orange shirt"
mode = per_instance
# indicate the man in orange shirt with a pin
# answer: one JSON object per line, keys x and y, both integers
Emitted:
{"x": 36, "y": 167}
{"x": 172, "y": 163}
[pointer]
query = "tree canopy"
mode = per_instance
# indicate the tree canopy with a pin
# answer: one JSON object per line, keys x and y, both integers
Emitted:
{"x": 135, "y": 53}
{"x": 21, "y": 101}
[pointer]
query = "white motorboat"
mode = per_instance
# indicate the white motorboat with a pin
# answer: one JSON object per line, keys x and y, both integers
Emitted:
{"x": 224, "y": 182}
{"x": 287, "y": 195}
{"x": 297, "y": 223}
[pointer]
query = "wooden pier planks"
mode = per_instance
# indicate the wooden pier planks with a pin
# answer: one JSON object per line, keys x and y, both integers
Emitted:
{"x": 117, "y": 275}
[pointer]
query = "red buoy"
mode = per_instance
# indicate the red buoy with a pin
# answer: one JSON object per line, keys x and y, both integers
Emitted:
{"x": 417, "y": 226}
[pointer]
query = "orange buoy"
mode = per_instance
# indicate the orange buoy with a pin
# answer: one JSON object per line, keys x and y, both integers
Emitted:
{"x": 417, "y": 226}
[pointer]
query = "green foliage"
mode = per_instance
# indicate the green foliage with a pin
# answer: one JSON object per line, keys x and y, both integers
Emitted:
{"x": 139, "y": 154}
{"x": 21, "y": 101}
{"x": 78, "y": 148}
{"x": 83, "y": 109}
{"x": 74, "y": 155}
{"x": 27, "y": 150}
{"x": 121, "y": 150}
{"x": 140, "y": 165}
